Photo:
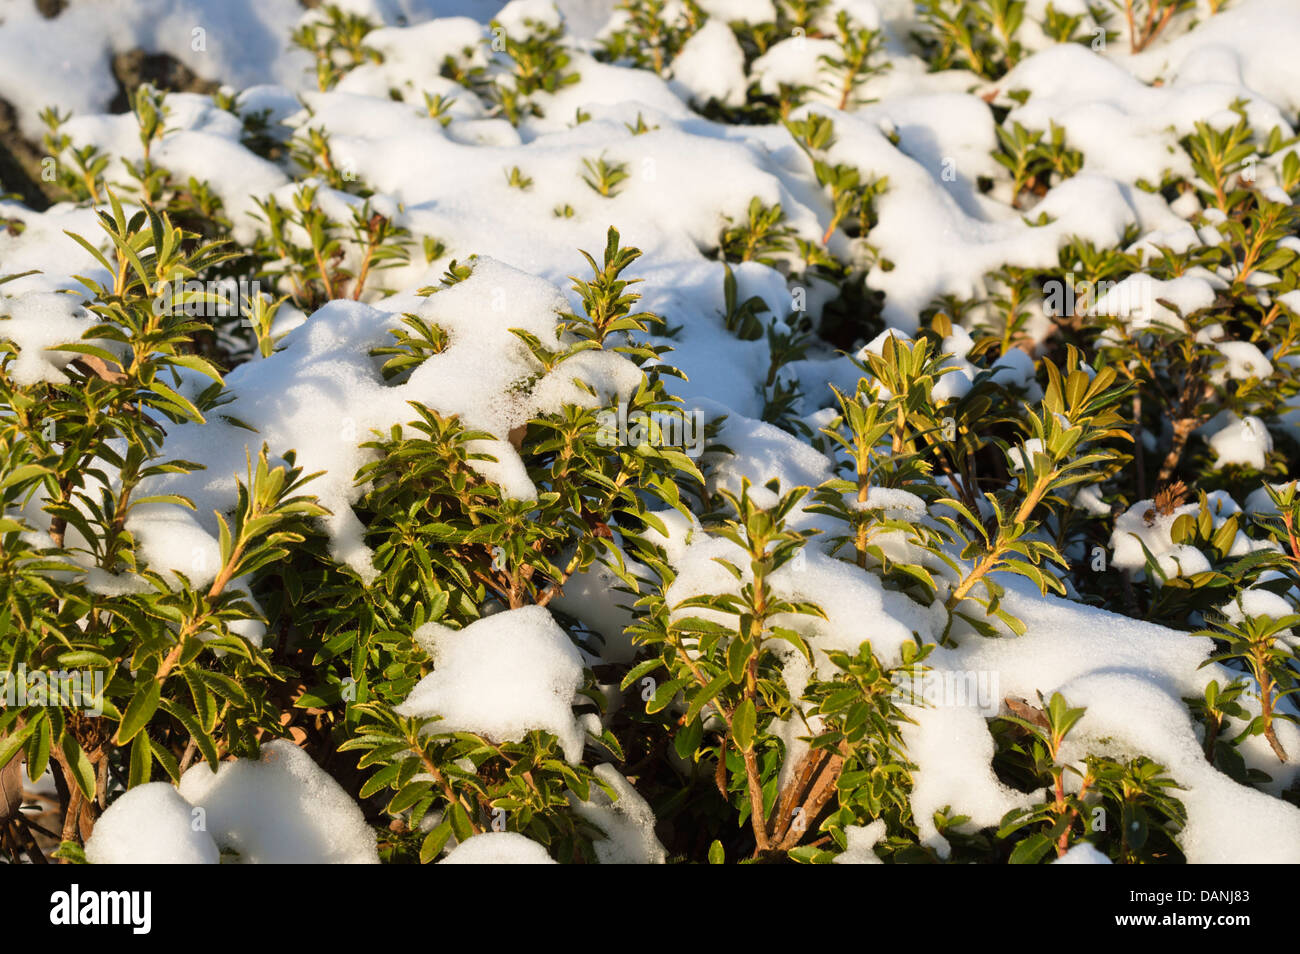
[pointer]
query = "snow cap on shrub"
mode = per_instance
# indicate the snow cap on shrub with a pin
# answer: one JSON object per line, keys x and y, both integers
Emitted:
{"x": 283, "y": 809}
{"x": 502, "y": 676}
{"x": 498, "y": 848}
{"x": 151, "y": 825}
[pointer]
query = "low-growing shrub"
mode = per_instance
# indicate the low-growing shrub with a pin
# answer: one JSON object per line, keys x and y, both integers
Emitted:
{"x": 854, "y": 502}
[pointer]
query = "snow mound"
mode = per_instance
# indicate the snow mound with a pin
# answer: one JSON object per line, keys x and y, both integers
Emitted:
{"x": 282, "y": 809}
{"x": 501, "y": 677}
{"x": 498, "y": 848}
{"x": 151, "y": 825}
{"x": 628, "y": 822}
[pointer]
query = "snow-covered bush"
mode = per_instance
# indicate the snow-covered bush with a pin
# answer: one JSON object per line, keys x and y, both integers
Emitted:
{"x": 666, "y": 430}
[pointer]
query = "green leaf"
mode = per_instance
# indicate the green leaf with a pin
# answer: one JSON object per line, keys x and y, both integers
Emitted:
{"x": 167, "y": 760}
{"x": 663, "y": 696}
{"x": 1031, "y": 850}
{"x": 460, "y": 823}
{"x": 38, "y": 748}
{"x": 139, "y": 711}
{"x": 707, "y": 694}
{"x": 141, "y": 761}
{"x": 743, "y": 720}
{"x": 688, "y": 739}
{"x": 84, "y": 659}
{"x": 72, "y": 853}
{"x": 83, "y": 772}
{"x": 11, "y": 744}
{"x": 408, "y": 796}
{"x": 20, "y": 474}
{"x": 381, "y": 779}
{"x": 640, "y": 669}
{"x": 435, "y": 841}
{"x": 191, "y": 723}
{"x": 195, "y": 363}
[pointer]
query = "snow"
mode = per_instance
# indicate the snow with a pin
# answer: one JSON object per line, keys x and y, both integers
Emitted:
{"x": 849, "y": 598}
{"x": 1183, "y": 560}
{"x": 172, "y": 537}
{"x": 794, "y": 62}
{"x": 762, "y": 452}
{"x": 1142, "y": 525}
{"x": 37, "y": 322}
{"x": 862, "y": 840}
{"x": 1015, "y": 369}
{"x": 1131, "y": 677}
{"x": 1084, "y": 853}
{"x": 953, "y": 753}
{"x": 1018, "y": 457}
{"x": 863, "y": 14}
{"x": 151, "y": 825}
{"x": 498, "y": 848}
{"x": 591, "y": 597}
{"x": 1259, "y": 502}
{"x": 712, "y": 66}
{"x": 241, "y": 42}
{"x": 896, "y": 504}
{"x": 281, "y": 809}
{"x": 1224, "y": 819}
{"x": 1137, "y": 299}
{"x": 1125, "y": 128}
{"x": 744, "y": 11}
{"x": 628, "y": 822}
{"x": 1231, "y": 47}
{"x": 502, "y": 676}
{"x": 322, "y": 394}
{"x": 937, "y": 232}
{"x": 526, "y": 16}
{"x": 1245, "y": 441}
{"x": 1253, "y": 602}
{"x": 412, "y": 58}
{"x": 1242, "y": 361}
{"x": 937, "y": 246}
